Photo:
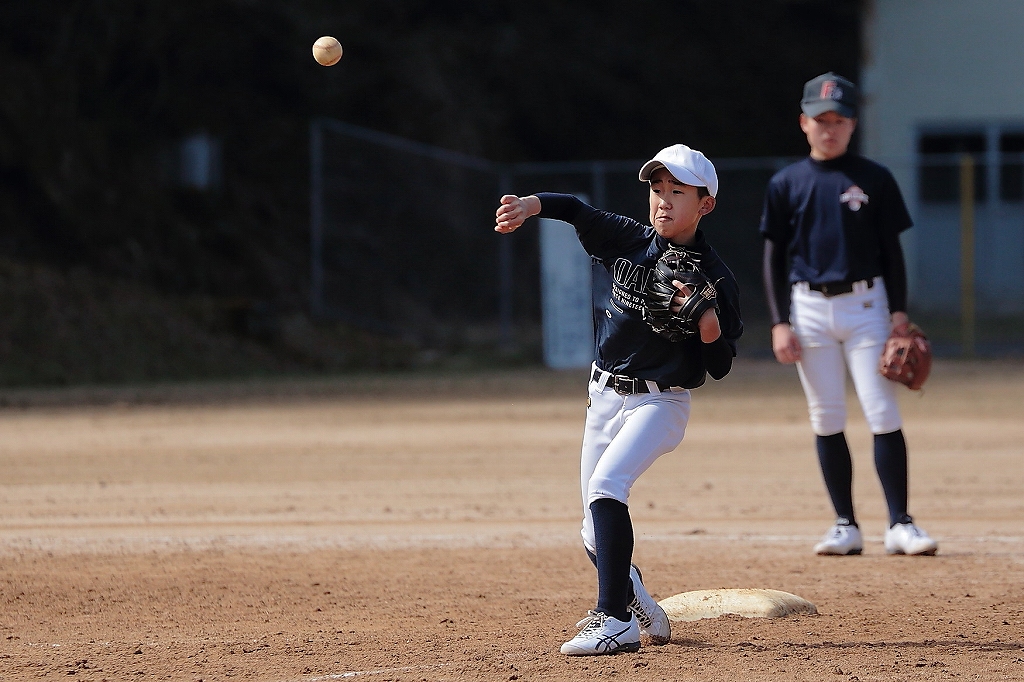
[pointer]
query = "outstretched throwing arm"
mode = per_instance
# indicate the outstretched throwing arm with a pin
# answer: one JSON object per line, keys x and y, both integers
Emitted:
{"x": 514, "y": 211}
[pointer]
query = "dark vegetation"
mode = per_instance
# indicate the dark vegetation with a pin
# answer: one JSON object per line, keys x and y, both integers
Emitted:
{"x": 112, "y": 271}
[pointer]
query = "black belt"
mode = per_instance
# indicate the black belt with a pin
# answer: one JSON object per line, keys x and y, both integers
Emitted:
{"x": 624, "y": 385}
{"x": 830, "y": 289}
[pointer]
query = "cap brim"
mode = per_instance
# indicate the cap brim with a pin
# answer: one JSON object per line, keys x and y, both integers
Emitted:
{"x": 813, "y": 109}
{"x": 648, "y": 169}
{"x": 678, "y": 172}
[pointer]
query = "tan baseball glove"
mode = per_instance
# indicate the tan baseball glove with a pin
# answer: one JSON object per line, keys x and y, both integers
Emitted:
{"x": 907, "y": 357}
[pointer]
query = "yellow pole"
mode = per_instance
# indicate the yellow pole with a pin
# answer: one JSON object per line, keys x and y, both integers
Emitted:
{"x": 967, "y": 255}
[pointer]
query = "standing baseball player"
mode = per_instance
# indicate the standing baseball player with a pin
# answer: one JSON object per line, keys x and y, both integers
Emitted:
{"x": 640, "y": 383}
{"x": 836, "y": 286}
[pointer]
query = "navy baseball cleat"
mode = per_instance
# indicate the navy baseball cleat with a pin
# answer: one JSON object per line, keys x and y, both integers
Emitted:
{"x": 652, "y": 618}
{"x": 841, "y": 539}
{"x": 602, "y": 634}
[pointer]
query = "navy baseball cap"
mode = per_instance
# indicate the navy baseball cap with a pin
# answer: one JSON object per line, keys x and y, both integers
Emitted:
{"x": 830, "y": 92}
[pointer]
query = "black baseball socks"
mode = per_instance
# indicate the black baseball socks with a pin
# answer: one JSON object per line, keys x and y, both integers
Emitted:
{"x": 837, "y": 470}
{"x": 890, "y": 463}
{"x": 613, "y": 531}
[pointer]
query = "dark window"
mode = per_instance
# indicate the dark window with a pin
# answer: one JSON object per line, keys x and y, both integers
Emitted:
{"x": 1011, "y": 169}
{"x": 940, "y": 166}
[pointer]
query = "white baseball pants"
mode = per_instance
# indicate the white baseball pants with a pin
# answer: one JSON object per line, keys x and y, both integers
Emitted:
{"x": 845, "y": 331}
{"x": 623, "y": 436}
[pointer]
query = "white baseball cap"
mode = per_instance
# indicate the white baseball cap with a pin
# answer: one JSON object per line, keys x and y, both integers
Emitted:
{"x": 686, "y": 165}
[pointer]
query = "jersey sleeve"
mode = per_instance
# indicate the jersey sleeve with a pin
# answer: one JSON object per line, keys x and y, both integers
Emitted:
{"x": 776, "y": 228}
{"x": 564, "y": 207}
{"x": 894, "y": 272}
{"x": 729, "y": 316}
{"x": 894, "y": 216}
{"x": 717, "y": 357}
{"x": 602, "y": 234}
{"x": 776, "y": 282}
{"x": 775, "y": 214}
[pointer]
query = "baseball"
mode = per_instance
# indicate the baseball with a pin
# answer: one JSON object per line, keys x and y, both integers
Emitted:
{"x": 327, "y": 51}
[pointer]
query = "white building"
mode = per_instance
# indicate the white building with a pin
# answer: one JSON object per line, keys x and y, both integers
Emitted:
{"x": 940, "y": 78}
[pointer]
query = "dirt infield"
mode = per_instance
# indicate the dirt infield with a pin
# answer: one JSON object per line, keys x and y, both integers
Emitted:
{"x": 427, "y": 529}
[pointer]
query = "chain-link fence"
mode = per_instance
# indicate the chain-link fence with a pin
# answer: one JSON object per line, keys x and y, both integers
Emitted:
{"x": 403, "y": 243}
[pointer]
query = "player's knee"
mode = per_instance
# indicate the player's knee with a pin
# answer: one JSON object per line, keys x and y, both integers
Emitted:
{"x": 881, "y": 409}
{"x": 827, "y": 420}
{"x": 884, "y": 421}
{"x": 607, "y": 489}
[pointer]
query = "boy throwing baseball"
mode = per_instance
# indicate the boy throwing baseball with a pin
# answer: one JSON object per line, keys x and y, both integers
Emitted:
{"x": 640, "y": 382}
{"x": 836, "y": 285}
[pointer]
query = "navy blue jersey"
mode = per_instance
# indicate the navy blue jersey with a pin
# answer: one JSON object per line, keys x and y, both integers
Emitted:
{"x": 624, "y": 252}
{"x": 834, "y": 218}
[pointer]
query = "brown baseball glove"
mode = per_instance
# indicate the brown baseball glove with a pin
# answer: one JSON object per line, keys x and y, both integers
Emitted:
{"x": 907, "y": 357}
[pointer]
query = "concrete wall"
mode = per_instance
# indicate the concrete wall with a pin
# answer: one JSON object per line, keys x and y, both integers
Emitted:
{"x": 937, "y": 65}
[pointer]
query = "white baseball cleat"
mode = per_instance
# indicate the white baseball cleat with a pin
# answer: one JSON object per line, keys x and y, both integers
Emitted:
{"x": 906, "y": 538}
{"x": 602, "y": 634}
{"x": 841, "y": 539}
{"x": 652, "y": 618}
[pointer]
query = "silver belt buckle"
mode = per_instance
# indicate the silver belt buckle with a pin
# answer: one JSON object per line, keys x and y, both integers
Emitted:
{"x": 619, "y": 382}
